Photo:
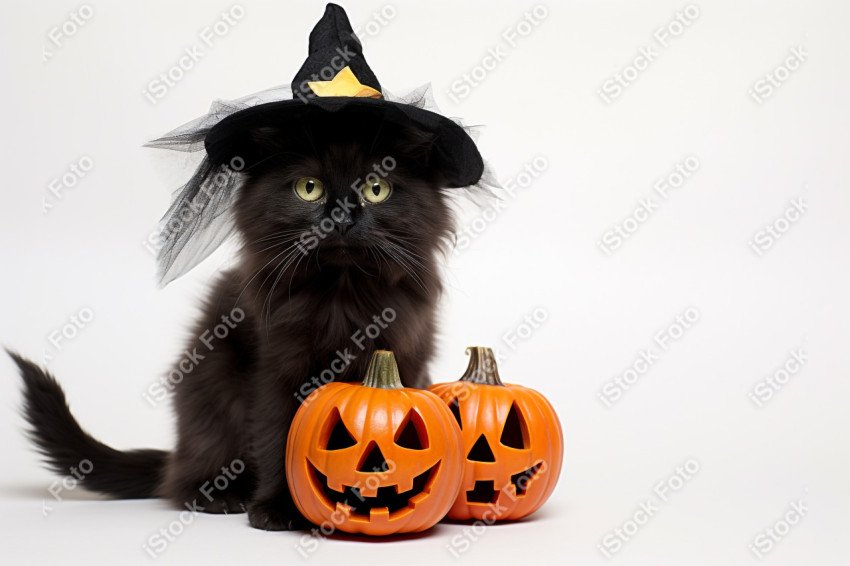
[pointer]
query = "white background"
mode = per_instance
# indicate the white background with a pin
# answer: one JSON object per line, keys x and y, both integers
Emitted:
{"x": 541, "y": 252}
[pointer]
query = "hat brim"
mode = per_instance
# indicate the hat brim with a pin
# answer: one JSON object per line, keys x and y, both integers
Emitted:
{"x": 454, "y": 152}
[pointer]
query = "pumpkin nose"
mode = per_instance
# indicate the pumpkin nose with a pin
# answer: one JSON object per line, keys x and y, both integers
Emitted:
{"x": 481, "y": 451}
{"x": 373, "y": 460}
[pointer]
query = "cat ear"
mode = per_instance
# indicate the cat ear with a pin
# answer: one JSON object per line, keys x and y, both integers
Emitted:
{"x": 264, "y": 142}
{"x": 418, "y": 141}
{"x": 418, "y": 148}
{"x": 417, "y": 145}
{"x": 425, "y": 152}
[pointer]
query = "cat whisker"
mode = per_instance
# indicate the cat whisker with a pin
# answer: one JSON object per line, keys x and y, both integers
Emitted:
{"x": 281, "y": 269}
{"x": 292, "y": 277}
{"x": 396, "y": 254}
{"x": 415, "y": 259}
{"x": 248, "y": 283}
{"x": 407, "y": 251}
{"x": 278, "y": 235}
{"x": 400, "y": 235}
{"x": 401, "y": 263}
{"x": 272, "y": 246}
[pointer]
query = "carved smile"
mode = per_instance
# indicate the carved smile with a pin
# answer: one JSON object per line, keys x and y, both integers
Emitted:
{"x": 484, "y": 491}
{"x": 387, "y": 498}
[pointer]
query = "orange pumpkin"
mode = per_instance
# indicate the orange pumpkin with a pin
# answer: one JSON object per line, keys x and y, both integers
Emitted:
{"x": 512, "y": 438}
{"x": 376, "y": 458}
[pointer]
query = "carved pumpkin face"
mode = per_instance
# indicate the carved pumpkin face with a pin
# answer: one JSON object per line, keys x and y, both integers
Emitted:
{"x": 512, "y": 439}
{"x": 374, "y": 458}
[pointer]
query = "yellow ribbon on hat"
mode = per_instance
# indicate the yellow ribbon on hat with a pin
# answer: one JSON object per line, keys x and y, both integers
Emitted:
{"x": 344, "y": 83}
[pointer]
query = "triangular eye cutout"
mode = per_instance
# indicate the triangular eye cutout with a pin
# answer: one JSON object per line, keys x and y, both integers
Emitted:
{"x": 481, "y": 451}
{"x": 412, "y": 434}
{"x": 454, "y": 407}
{"x": 373, "y": 460}
{"x": 339, "y": 437}
{"x": 515, "y": 433}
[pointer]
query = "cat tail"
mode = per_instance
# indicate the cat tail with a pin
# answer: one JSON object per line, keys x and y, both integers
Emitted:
{"x": 69, "y": 450}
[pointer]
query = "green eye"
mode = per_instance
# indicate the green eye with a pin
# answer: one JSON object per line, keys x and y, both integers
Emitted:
{"x": 377, "y": 191}
{"x": 309, "y": 189}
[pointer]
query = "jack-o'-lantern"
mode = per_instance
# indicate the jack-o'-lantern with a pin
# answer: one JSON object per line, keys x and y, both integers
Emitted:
{"x": 513, "y": 445}
{"x": 374, "y": 458}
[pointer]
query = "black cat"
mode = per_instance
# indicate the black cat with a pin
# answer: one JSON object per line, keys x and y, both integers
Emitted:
{"x": 328, "y": 253}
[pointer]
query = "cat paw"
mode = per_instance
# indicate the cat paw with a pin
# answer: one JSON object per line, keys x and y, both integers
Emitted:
{"x": 276, "y": 516}
{"x": 225, "y": 504}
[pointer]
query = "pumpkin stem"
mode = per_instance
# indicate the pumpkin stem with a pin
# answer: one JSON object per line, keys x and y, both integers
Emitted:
{"x": 382, "y": 371}
{"x": 482, "y": 367}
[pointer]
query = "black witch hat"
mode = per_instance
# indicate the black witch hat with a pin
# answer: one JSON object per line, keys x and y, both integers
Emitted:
{"x": 335, "y": 77}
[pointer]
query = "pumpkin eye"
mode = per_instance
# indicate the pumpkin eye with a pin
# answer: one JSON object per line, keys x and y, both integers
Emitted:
{"x": 339, "y": 437}
{"x": 454, "y": 407}
{"x": 515, "y": 433}
{"x": 309, "y": 189}
{"x": 376, "y": 191}
{"x": 411, "y": 434}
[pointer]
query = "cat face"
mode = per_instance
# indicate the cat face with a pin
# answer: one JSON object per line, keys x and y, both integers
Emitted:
{"x": 343, "y": 194}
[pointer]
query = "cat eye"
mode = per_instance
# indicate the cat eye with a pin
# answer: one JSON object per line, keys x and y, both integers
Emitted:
{"x": 376, "y": 191}
{"x": 309, "y": 189}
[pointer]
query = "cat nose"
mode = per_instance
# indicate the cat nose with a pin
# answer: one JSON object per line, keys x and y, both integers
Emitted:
{"x": 343, "y": 223}
{"x": 344, "y": 217}
{"x": 344, "y": 214}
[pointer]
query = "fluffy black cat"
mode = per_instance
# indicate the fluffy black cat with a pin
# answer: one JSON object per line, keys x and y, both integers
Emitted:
{"x": 326, "y": 254}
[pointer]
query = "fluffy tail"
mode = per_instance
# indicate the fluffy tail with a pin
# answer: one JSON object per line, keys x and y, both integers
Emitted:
{"x": 133, "y": 474}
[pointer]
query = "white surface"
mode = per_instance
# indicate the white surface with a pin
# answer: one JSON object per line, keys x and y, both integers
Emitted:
{"x": 541, "y": 252}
